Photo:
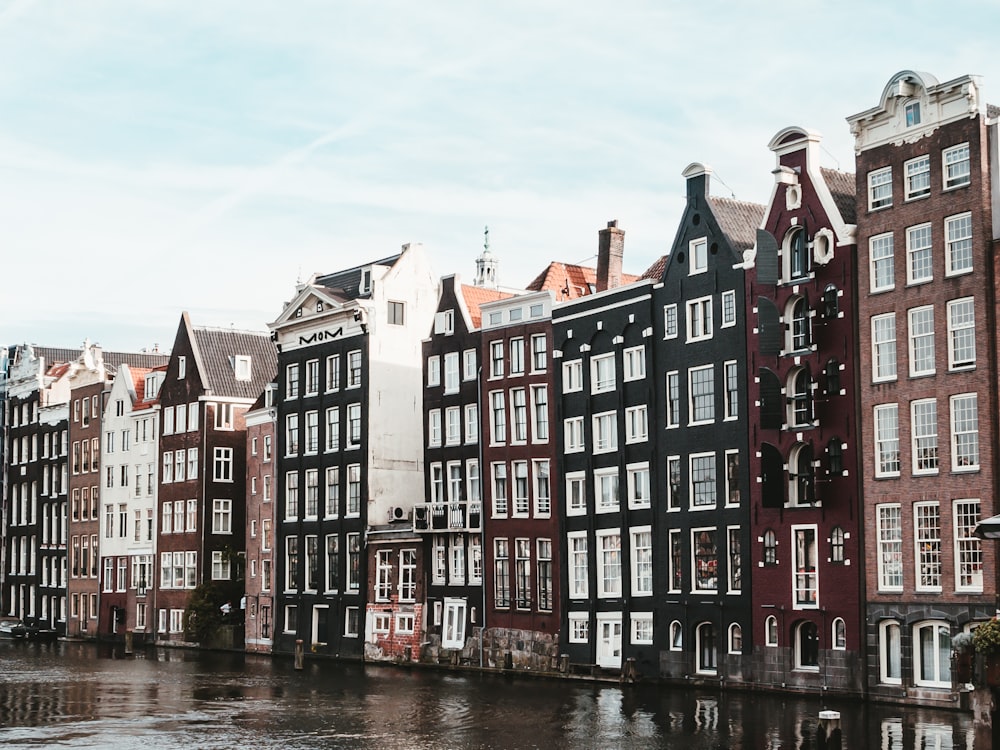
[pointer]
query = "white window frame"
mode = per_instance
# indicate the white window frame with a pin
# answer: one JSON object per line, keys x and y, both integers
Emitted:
{"x": 641, "y": 560}
{"x": 883, "y": 443}
{"x": 605, "y": 432}
{"x": 922, "y": 337}
{"x": 942, "y": 670}
{"x": 573, "y": 437}
{"x": 634, "y": 361}
{"x": 954, "y": 155}
{"x": 884, "y": 358}
{"x": 572, "y": 372}
{"x": 606, "y": 490}
{"x": 881, "y": 257}
{"x": 603, "y": 375}
{"x": 889, "y": 546}
{"x": 579, "y": 627}
{"x": 960, "y": 427}
{"x": 924, "y": 437}
{"x": 641, "y": 628}
{"x": 636, "y": 424}
{"x": 637, "y": 484}
{"x": 887, "y": 651}
{"x": 729, "y": 312}
{"x": 964, "y": 329}
{"x": 919, "y": 254}
{"x": 692, "y": 410}
{"x": 576, "y": 493}
{"x": 953, "y": 240}
{"x": 609, "y": 586}
{"x": 698, "y": 253}
{"x": 698, "y": 319}
{"x": 968, "y": 551}
{"x": 673, "y": 383}
{"x": 578, "y": 565}
{"x": 433, "y": 371}
{"x": 928, "y": 547}
{"x": 670, "y": 325}
{"x": 877, "y": 198}
{"x": 917, "y": 171}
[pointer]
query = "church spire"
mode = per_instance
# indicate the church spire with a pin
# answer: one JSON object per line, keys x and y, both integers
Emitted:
{"x": 486, "y": 264}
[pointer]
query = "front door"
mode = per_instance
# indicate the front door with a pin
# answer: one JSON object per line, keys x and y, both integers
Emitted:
{"x": 609, "y": 641}
{"x": 453, "y": 631}
{"x": 319, "y": 624}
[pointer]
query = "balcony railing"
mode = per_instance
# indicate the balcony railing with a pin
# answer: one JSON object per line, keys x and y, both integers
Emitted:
{"x": 448, "y": 516}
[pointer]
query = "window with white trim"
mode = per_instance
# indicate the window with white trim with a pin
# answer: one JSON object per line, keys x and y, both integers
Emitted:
{"x": 451, "y": 372}
{"x": 520, "y": 472}
{"x": 635, "y": 363}
{"x": 673, "y": 483}
{"x": 882, "y": 262}
{"x": 573, "y": 434}
{"x": 606, "y": 489}
{"x": 733, "y": 477}
{"x": 291, "y": 434}
{"x": 579, "y": 586}
{"x": 932, "y": 654}
{"x": 292, "y": 380}
{"x": 771, "y": 631}
{"x": 728, "y": 309}
{"x": 572, "y": 376}
{"x": 605, "y": 432}
{"x": 543, "y": 487}
{"x": 968, "y": 549}
{"x": 705, "y": 560}
{"x": 499, "y": 488}
{"x": 880, "y": 188}
{"x": 333, "y": 373}
{"x": 701, "y": 386}
{"x": 471, "y": 423}
{"x": 699, "y": 256}
{"x": 637, "y": 482}
{"x": 354, "y": 369}
{"x": 642, "y": 560}
{"x": 602, "y": 373}
{"x": 676, "y": 636}
{"x": 670, "y": 321}
{"x": 453, "y": 425}
{"x": 642, "y": 628}
{"x": 918, "y": 177}
{"x": 884, "y": 347}
{"x": 576, "y": 494}
{"x": 434, "y": 371}
{"x": 730, "y": 371}
{"x": 609, "y": 564}
{"x": 498, "y": 418}
{"x": 734, "y": 548}
{"x": 636, "y": 424}
{"x": 469, "y": 365}
{"x": 887, "y": 462}
{"x": 927, "y": 545}
{"x": 579, "y": 627}
{"x": 961, "y": 333}
{"x": 919, "y": 261}
{"x": 806, "y": 581}
{"x": 699, "y": 319}
{"x": 539, "y": 352}
{"x": 956, "y": 171}
{"x": 921, "y": 341}
{"x": 496, "y": 359}
{"x": 958, "y": 244}
{"x": 518, "y": 415}
{"x": 434, "y": 427}
{"x": 890, "y": 649}
{"x": 675, "y": 561}
{"x": 889, "y": 537}
{"x": 923, "y": 426}
{"x": 965, "y": 432}
{"x": 673, "y": 399}
{"x": 517, "y": 356}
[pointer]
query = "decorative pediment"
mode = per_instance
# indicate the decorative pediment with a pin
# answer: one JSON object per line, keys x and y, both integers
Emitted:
{"x": 310, "y": 302}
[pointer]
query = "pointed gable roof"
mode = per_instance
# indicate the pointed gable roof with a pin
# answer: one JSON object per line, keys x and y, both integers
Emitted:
{"x": 738, "y": 221}
{"x": 843, "y": 188}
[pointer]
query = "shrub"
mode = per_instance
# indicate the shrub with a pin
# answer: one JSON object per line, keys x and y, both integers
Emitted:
{"x": 986, "y": 638}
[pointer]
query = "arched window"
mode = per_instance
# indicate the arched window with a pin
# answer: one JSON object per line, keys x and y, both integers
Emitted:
{"x": 832, "y": 374}
{"x": 799, "y": 336}
{"x": 831, "y": 302}
{"x": 797, "y": 252}
{"x": 707, "y": 648}
{"x": 839, "y": 634}
{"x": 889, "y": 650}
{"x": 806, "y": 646}
{"x": 932, "y": 654}
{"x": 835, "y": 457}
{"x": 735, "y": 639}
{"x": 676, "y": 636}
{"x": 800, "y": 398}
{"x": 801, "y": 488}
{"x": 770, "y": 548}
{"x": 837, "y": 545}
{"x": 771, "y": 630}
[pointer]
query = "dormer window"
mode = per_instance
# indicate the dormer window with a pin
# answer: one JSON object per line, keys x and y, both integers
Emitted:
{"x": 241, "y": 367}
{"x": 912, "y": 114}
{"x": 366, "y": 281}
{"x": 319, "y": 306}
{"x": 181, "y": 367}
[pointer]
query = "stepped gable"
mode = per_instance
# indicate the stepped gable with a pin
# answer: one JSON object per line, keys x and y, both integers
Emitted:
{"x": 475, "y": 296}
{"x": 842, "y": 187}
{"x": 217, "y": 348}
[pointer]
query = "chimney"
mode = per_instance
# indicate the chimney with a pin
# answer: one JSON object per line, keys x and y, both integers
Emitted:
{"x": 610, "y": 248}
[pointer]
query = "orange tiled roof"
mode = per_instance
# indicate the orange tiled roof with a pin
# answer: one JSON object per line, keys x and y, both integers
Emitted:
{"x": 569, "y": 281}
{"x": 475, "y": 296}
{"x": 141, "y": 402}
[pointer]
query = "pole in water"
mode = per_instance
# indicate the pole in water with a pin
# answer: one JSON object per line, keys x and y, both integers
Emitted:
{"x": 128, "y": 642}
{"x": 299, "y": 654}
{"x": 828, "y": 734}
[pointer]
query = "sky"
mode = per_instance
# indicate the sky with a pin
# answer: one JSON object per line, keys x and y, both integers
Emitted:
{"x": 170, "y": 155}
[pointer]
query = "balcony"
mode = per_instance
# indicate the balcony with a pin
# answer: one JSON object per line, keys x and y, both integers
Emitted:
{"x": 447, "y": 516}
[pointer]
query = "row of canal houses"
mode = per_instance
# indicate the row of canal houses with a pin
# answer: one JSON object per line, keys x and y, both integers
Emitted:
{"x": 759, "y": 463}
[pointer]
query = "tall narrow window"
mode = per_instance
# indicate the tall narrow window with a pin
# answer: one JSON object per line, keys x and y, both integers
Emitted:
{"x": 965, "y": 432}
{"x": 956, "y": 166}
{"x": 880, "y": 188}
{"x": 919, "y": 267}
{"x": 923, "y": 421}
{"x": 922, "y": 341}
{"x": 927, "y": 541}
{"x": 887, "y": 440}
{"x": 961, "y": 333}
{"x": 890, "y": 547}
{"x": 883, "y": 270}
{"x": 968, "y": 552}
{"x": 958, "y": 250}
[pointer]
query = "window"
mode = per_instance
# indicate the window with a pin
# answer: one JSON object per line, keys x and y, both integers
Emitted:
{"x": 889, "y": 525}
{"x": 576, "y": 494}
{"x": 735, "y": 639}
{"x": 932, "y": 654}
{"x": 292, "y": 380}
{"x": 223, "y": 464}
{"x": 883, "y": 268}
{"x": 451, "y": 376}
{"x": 703, "y": 480}
{"x": 839, "y": 634}
{"x": 471, "y": 423}
{"x": 291, "y": 495}
{"x": 220, "y": 567}
{"x": 291, "y": 434}
{"x": 965, "y": 432}
{"x": 912, "y": 112}
{"x": 453, "y": 425}
{"x": 837, "y": 537}
{"x": 699, "y": 319}
{"x": 469, "y": 364}
{"x": 539, "y": 352}
{"x": 728, "y": 309}
{"x": 800, "y": 328}
{"x": 806, "y": 587}
{"x": 807, "y": 646}
{"x": 332, "y": 491}
{"x": 540, "y": 408}
{"x": 635, "y": 363}
{"x": 707, "y": 649}
{"x": 333, "y": 372}
{"x": 498, "y": 421}
{"x": 919, "y": 265}
{"x": 642, "y": 627}
{"x": 354, "y": 369}
{"x": 572, "y": 376}
{"x": 968, "y": 552}
{"x": 437, "y": 483}
{"x": 673, "y": 399}
{"x": 578, "y": 578}
{"x": 312, "y": 432}
{"x": 731, "y": 375}
{"x": 519, "y": 415}
{"x": 887, "y": 440}
{"x": 312, "y": 377}
{"x": 918, "y": 177}
{"x": 602, "y": 372}
{"x": 333, "y": 429}
{"x": 520, "y": 471}
{"x": 705, "y": 554}
{"x": 735, "y": 549}
{"x": 501, "y": 573}
{"x": 605, "y": 432}
{"x": 884, "y": 347}
{"x": 800, "y": 398}
{"x": 606, "y": 489}
{"x": 496, "y": 359}
{"x": 352, "y": 621}
{"x": 923, "y": 423}
{"x": 522, "y": 573}
{"x": 674, "y": 483}
{"x": 407, "y": 575}
{"x": 961, "y": 333}
{"x": 609, "y": 564}
{"x": 880, "y": 188}
{"x": 383, "y": 575}
{"x": 517, "y": 356}
{"x": 353, "y": 561}
{"x": 927, "y": 541}
{"x": 579, "y": 627}
{"x": 222, "y": 516}
{"x": 699, "y": 256}
{"x": 636, "y": 424}
{"x": 799, "y": 260}
{"x": 770, "y": 541}
{"x": 958, "y": 247}
{"x": 890, "y": 650}
{"x": 396, "y": 313}
{"x": 922, "y": 341}
{"x": 733, "y": 477}
{"x": 670, "y": 321}
{"x": 353, "y": 426}
{"x": 637, "y": 483}
{"x": 500, "y": 489}
{"x": 956, "y": 166}
{"x": 433, "y": 371}
{"x": 771, "y": 631}
{"x": 291, "y": 563}
{"x": 543, "y": 492}
{"x": 701, "y": 384}
{"x": 676, "y": 636}
{"x": 642, "y": 561}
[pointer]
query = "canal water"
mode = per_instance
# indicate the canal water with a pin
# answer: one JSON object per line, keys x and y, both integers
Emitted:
{"x": 86, "y": 695}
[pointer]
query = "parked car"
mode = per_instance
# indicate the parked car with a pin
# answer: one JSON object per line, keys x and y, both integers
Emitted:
{"x": 11, "y": 627}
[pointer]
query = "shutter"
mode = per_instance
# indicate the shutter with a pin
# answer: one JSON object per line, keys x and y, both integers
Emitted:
{"x": 771, "y": 404}
{"x": 772, "y": 477}
{"x": 767, "y": 258}
{"x": 768, "y": 326}
{"x": 440, "y": 322}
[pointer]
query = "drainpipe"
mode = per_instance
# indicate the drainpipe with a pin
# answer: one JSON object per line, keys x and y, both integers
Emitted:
{"x": 482, "y": 509}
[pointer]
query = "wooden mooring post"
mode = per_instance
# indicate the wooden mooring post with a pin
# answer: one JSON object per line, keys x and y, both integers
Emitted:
{"x": 299, "y": 654}
{"x": 828, "y": 734}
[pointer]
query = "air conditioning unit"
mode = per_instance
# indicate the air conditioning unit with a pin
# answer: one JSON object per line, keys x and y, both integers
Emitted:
{"x": 397, "y": 514}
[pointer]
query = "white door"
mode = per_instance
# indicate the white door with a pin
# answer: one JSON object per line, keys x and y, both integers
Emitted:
{"x": 453, "y": 629}
{"x": 609, "y": 641}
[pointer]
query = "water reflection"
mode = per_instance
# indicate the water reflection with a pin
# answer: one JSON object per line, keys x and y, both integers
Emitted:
{"x": 89, "y": 696}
